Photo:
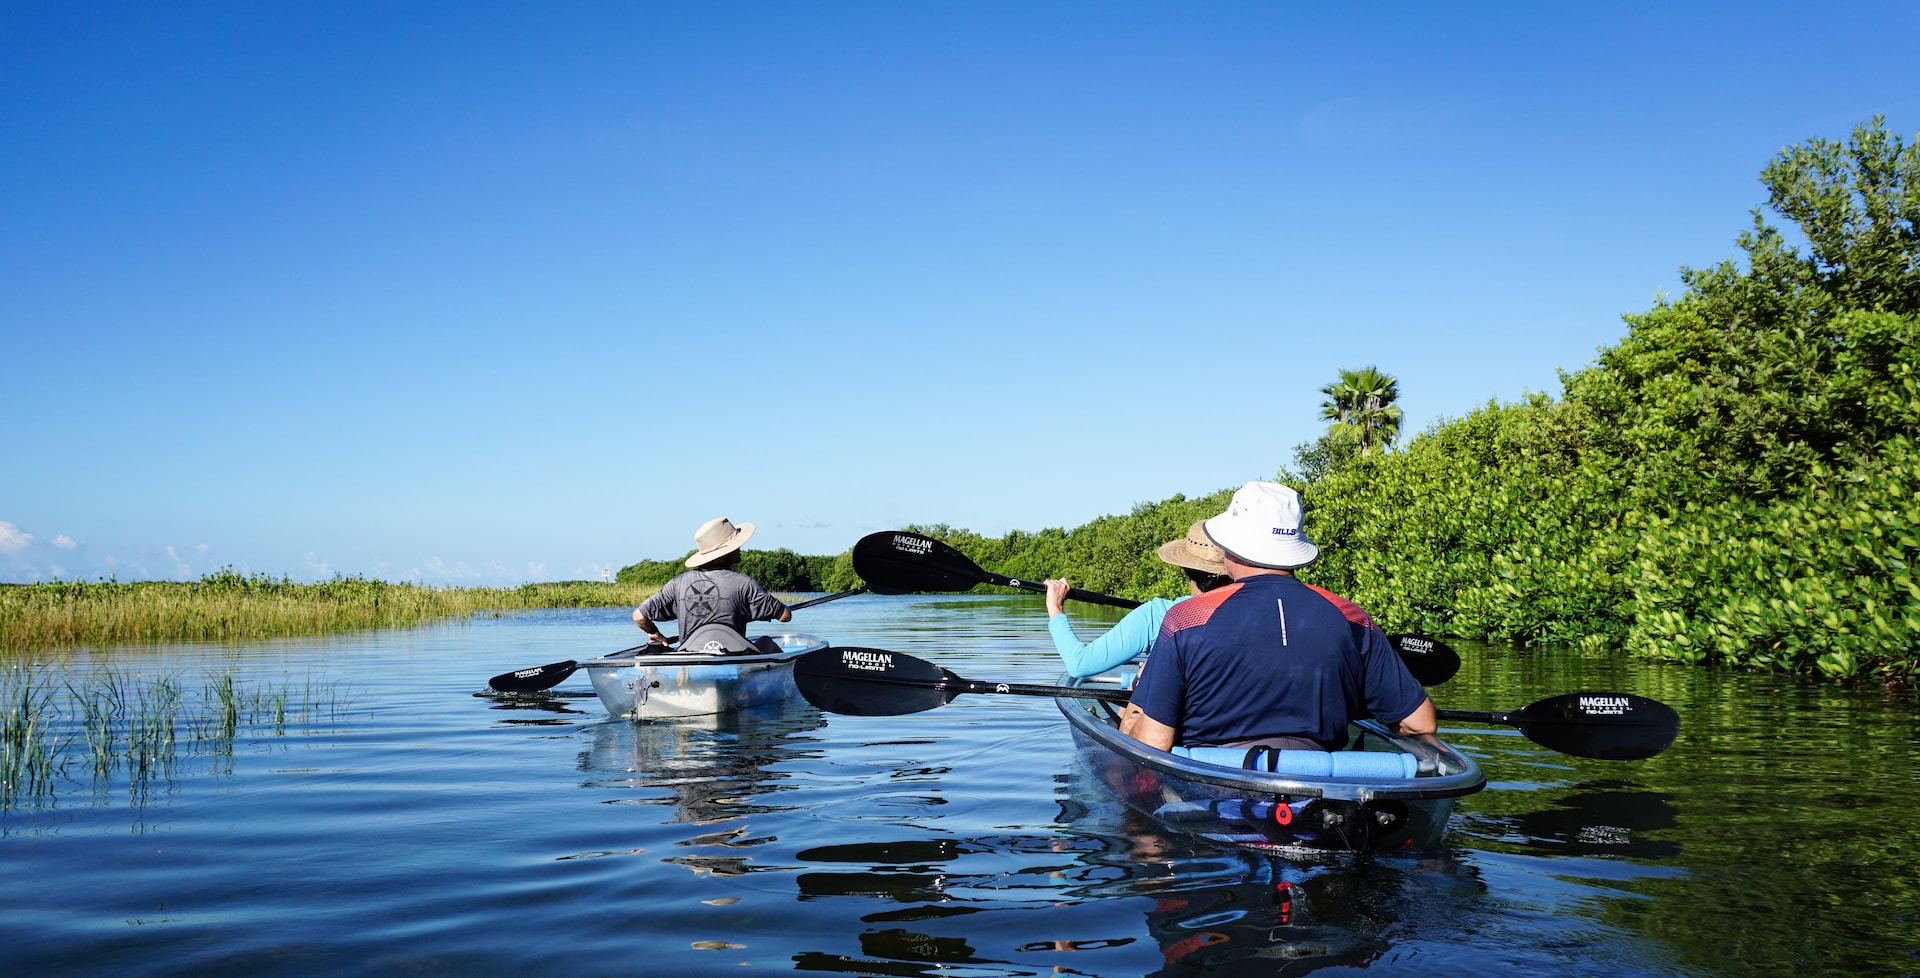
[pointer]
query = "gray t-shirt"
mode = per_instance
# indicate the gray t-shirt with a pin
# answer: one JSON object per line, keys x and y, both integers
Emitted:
{"x": 702, "y": 597}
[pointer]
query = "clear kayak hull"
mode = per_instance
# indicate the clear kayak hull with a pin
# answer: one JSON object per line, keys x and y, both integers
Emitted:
{"x": 1399, "y": 798}
{"x": 694, "y": 683}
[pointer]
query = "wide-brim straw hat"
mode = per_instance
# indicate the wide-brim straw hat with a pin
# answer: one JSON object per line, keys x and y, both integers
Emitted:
{"x": 1263, "y": 527}
{"x": 716, "y": 539}
{"x": 1194, "y": 551}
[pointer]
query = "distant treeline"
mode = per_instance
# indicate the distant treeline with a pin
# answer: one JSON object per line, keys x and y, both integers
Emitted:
{"x": 1737, "y": 481}
{"x": 776, "y": 570}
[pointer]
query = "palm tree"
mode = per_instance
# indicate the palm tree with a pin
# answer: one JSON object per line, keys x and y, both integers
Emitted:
{"x": 1360, "y": 405}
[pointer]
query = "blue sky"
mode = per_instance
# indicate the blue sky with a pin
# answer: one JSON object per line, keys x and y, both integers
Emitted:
{"x": 489, "y": 293}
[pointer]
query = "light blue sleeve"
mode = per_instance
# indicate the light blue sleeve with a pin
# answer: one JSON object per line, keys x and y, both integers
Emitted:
{"x": 1129, "y": 637}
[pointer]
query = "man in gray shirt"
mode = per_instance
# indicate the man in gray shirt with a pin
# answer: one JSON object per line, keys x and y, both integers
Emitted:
{"x": 712, "y": 592}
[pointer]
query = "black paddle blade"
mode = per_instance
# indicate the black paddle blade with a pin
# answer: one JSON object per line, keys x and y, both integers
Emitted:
{"x": 1431, "y": 661}
{"x": 872, "y": 682}
{"x": 533, "y": 680}
{"x": 1608, "y": 726}
{"x": 898, "y": 562}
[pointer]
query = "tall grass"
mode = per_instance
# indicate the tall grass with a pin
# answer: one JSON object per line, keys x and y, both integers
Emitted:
{"x": 64, "y": 732}
{"x": 28, "y": 750}
{"x": 227, "y": 605}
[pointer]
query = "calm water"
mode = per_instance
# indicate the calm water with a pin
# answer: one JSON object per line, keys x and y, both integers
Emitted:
{"x": 399, "y": 820}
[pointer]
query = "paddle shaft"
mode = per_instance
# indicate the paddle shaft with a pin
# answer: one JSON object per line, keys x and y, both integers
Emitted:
{"x": 1073, "y": 593}
{"x": 957, "y": 685}
{"x": 1476, "y": 716}
{"x": 810, "y": 602}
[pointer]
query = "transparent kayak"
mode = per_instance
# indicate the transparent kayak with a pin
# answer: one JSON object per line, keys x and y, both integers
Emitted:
{"x": 1384, "y": 793}
{"x": 696, "y": 682}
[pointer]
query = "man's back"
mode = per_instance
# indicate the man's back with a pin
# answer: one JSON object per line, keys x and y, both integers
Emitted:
{"x": 1271, "y": 657}
{"x": 701, "y": 597}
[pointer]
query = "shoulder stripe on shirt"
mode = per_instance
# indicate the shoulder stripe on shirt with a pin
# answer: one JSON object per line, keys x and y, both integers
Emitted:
{"x": 1353, "y": 612}
{"x": 1195, "y": 611}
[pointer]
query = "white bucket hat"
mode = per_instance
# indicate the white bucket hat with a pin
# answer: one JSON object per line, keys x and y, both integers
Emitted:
{"x": 1262, "y": 526}
{"x": 716, "y": 539}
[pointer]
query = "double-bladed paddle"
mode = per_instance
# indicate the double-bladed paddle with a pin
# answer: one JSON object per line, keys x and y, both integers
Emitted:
{"x": 554, "y": 673}
{"x": 877, "y": 682}
{"x": 899, "y": 562}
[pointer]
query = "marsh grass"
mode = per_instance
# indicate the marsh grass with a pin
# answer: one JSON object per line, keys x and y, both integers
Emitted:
{"x": 227, "y": 605}
{"x": 59, "y": 733}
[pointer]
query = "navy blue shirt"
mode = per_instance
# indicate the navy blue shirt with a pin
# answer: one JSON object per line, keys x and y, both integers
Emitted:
{"x": 1270, "y": 656}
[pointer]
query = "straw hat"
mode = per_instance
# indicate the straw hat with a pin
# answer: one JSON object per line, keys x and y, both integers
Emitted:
{"x": 716, "y": 539}
{"x": 1194, "y": 551}
{"x": 1262, "y": 527}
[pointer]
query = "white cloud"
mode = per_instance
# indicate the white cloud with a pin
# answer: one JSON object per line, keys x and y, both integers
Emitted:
{"x": 12, "y": 538}
{"x": 64, "y": 542}
{"x": 459, "y": 571}
{"x": 535, "y": 570}
{"x": 320, "y": 568}
{"x": 201, "y": 549}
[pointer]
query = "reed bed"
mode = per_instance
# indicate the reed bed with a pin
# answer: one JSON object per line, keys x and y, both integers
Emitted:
{"x": 227, "y": 605}
{"x": 113, "y": 727}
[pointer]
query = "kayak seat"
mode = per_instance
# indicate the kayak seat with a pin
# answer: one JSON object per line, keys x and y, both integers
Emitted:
{"x": 1310, "y": 763}
{"x": 717, "y": 639}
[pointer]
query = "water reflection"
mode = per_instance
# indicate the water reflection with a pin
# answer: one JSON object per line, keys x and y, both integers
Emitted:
{"x": 711, "y": 771}
{"x": 1222, "y": 910}
{"x": 1211, "y": 910}
{"x": 1228, "y": 911}
{"x": 1598, "y": 819}
{"x": 941, "y": 905}
{"x": 563, "y": 703}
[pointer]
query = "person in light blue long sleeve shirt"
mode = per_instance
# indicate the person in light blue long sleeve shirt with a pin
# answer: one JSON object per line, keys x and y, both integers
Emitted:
{"x": 1134, "y": 634}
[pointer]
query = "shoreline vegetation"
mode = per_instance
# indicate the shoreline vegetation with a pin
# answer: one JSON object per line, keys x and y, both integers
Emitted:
{"x": 225, "y": 606}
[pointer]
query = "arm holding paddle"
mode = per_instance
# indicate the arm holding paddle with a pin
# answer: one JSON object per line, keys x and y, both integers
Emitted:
{"x": 1128, "y": 638}
{"x": 654, "y": 636}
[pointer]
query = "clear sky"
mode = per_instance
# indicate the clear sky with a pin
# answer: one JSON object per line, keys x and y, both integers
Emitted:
{"x": 488, "y": 293}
